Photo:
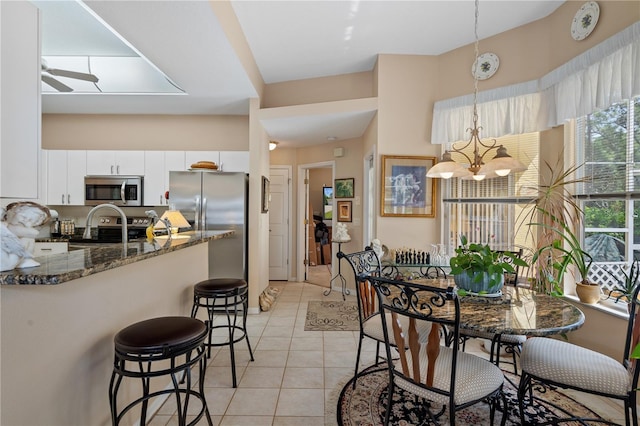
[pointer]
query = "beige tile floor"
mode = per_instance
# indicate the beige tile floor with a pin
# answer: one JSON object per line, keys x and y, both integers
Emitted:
{"x": 297, "y": 374}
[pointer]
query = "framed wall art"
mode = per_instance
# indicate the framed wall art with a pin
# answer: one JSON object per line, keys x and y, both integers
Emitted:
{"x": 343, "y": 188}
{"x": 344, "y": 211}
{"x": 265, "y": 195}
{"x": 406, "y": 190}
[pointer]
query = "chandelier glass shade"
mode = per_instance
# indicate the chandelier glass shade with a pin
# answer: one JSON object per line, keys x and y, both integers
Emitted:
{"x": 500, "y": 165}
{"x": 272, "y": 145}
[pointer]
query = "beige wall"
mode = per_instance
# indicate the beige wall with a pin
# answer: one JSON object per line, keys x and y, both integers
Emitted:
{"x": 316, "y": 90}
{"x": 146, "y": 132}
{"x": 350, "y": 165}
{"x": 405, "y": 102}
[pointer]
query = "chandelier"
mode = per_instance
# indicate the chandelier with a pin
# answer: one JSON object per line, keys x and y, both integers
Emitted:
{"x": 500, "y": 165}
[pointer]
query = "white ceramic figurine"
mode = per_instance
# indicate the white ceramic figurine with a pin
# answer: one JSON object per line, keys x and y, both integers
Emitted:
{"x": 19, "y": 231}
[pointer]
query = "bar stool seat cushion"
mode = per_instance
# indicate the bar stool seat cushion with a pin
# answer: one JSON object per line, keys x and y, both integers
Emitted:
{"x": 159, "y": 334}
{"x": 219, "y": 285}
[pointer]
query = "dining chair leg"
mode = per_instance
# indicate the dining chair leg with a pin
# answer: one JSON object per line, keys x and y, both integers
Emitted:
{"x": 355, "y": 374}
{"x": 523, "y": 388}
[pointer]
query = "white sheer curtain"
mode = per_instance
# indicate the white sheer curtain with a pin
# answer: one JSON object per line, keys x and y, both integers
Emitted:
{"x": 599, "y": 77}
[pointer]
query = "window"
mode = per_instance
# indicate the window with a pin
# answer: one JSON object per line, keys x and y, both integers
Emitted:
{"x": 488, "y": 211}
{"x": 608, "y": 147}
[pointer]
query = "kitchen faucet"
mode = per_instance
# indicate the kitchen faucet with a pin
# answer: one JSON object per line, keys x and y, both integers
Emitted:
{"x": 125, "y": 233}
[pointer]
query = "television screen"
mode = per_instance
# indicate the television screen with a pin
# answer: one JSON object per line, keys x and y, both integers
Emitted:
{"x": 327, "y": 202}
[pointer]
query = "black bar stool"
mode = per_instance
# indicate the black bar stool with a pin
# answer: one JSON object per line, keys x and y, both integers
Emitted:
{"x": 228, "y": 296}
{"x": 179, "y": 343}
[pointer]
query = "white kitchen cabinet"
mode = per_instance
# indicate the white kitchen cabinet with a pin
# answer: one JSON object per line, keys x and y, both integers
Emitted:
{"x": 47, "y": 248}
{"x": 103, "y": 163}
{"x": 158, "y": 164}
{"x": 20, "y": 104}
{"x": 192, "y": 157}
{"x": 65, "y": 177}
{"x": 234, "y": 161}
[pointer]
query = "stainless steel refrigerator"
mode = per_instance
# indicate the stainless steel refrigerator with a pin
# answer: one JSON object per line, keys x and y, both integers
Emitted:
{"x": 212, "y": 200}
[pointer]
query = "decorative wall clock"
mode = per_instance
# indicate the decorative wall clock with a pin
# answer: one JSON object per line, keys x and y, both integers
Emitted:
{"x": 585, "y": 20}
{"x": 485, "y": 66}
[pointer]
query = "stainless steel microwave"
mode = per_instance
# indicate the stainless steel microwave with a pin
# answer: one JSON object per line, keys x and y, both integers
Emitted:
{"x": 118, "y": 190}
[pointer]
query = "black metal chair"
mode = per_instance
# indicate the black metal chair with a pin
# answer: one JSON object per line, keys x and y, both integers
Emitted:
{"x": 510, "y": 343}
{"x": 165, "y": 346}
{"x": 549, "y": 362}
{"x": 365, "y": 263}
{"x": 436, "y": 374}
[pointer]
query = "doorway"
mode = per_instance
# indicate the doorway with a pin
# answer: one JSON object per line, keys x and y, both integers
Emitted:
{"x": 279, "y": 228}
{"x": 315, "y": 212}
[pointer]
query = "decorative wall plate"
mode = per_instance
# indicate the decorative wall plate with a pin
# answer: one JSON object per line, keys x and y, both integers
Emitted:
{"x": 487, "y": 65}
{"x": 585, "y": 20}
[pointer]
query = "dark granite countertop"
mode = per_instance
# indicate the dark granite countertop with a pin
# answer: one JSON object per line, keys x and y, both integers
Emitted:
{"x": 87, "y": 259}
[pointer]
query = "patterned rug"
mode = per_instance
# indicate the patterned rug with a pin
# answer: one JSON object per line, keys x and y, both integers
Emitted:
{"x": 332, "y": 316}
{"x": 367, "y": 403}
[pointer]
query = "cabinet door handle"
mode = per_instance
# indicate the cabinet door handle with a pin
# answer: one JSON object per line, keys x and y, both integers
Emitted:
{"x": 62, "y": 201}
{"x": 111, "y": 169}
{"x": 68, "y": 198}
{"x": 45, "y": 249}
{"x": 118, "y": 169}
{"x": 160, "y": 199}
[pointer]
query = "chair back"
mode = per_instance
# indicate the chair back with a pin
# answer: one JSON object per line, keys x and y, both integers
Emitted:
{"x": 364, "y": 263}
{"x": 510, "y": 278}
{"x": 633, "y": 337}
{"x": 418, "y": 303}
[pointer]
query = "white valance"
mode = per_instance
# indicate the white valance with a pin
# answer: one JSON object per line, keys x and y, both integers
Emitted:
{"x": 603, "y": 75}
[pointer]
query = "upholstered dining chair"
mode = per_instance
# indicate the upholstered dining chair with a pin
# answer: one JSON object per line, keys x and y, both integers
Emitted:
{"x": 364, "y": 264}
{"x": 550, "y": 362}
{"x": 437, "y": 375}
{"x": 510, "y": 343}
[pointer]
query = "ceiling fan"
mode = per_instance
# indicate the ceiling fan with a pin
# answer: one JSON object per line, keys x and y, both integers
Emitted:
{"x": 48, "y": 73}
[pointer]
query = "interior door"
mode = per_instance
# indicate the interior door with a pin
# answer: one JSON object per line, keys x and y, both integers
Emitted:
{"x": 307, "y": 221}
{"x": 279, "y": 224}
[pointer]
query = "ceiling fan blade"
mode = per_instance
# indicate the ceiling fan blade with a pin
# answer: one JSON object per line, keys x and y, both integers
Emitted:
{"x": 73, "y": 74}
{"x": 60, "y": 87}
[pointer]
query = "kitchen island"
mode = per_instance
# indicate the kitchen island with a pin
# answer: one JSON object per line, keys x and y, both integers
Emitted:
{"x": 90, "y": 258}
{"x": 57, "y": 340}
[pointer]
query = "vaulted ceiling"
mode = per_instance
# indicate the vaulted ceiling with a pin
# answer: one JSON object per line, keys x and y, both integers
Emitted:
{"x": 289, "y": 40}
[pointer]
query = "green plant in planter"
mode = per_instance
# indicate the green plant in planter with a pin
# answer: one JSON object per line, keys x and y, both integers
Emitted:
{"x": 563, "y": 252}
{"x": 474, "y": 260}
{"x": 626, "y": 285}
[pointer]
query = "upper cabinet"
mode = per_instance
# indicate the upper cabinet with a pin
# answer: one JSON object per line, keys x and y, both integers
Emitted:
{"x": 20, "y": 107}
{"x": 227, "y": 161}
{"x": 157, "y": 165}
{"x": 234, "y": 161}
{"x": 65, "y": 177}
{"x": 192, "y": 157}
{"x": 115, "y": 163}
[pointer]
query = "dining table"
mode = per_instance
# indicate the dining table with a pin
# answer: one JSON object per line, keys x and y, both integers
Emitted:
{"x": 516, "y": 310}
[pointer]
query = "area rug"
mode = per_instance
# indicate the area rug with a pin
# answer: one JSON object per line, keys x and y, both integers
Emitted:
{"x": 332, "y": 316}
{"x": 366, "y": 405}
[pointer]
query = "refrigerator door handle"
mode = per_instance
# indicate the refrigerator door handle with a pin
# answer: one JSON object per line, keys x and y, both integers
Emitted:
{"x": 197, "y": 222}
{"x": 204, "y": 213}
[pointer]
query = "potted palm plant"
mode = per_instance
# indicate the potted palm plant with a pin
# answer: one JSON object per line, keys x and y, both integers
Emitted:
{"x": 564, "y": 252}
{"x": 478, "y": 269}
{"x": 626, "y": 285}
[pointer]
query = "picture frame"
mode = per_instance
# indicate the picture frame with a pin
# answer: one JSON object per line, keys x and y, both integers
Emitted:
{"x": 343, "y": 188}
{"x": 265, "y": 195}
{"x": 406, "y": 191}
{"x": 344, "y": 211}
